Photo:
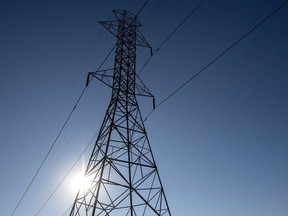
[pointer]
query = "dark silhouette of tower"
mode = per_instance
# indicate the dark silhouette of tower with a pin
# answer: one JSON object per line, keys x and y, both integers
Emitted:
{"x": 125, "y": 180}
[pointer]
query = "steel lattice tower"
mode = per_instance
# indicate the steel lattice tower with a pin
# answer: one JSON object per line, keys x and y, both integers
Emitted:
{"x": 125, "y": 179}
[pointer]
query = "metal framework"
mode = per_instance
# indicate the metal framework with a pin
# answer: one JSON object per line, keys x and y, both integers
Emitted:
{"x": 125, "y": 180}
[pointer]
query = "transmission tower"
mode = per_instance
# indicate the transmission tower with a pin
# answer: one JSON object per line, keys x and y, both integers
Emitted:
{"x": 124, "y": 176}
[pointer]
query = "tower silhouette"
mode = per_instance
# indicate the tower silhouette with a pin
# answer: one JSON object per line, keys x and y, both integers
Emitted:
{"x": 124, "y": 178}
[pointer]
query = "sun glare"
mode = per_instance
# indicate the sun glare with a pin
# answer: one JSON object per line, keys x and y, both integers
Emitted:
{"x": 81, "y": 182}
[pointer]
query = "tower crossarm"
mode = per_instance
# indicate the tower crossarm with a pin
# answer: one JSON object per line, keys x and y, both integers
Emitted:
{"x": 106, "y": 77}
{"x": 102, "y": 75}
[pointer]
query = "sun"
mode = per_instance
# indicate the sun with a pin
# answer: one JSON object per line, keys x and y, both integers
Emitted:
{"x": 81, "y": 182}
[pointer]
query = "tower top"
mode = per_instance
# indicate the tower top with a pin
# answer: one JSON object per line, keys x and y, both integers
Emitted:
{"x": 123, "y": 76}
{"x": 129, "y": 22}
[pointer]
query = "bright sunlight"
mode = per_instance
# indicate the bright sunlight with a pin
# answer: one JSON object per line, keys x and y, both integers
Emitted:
{"x": 80, "y": 182}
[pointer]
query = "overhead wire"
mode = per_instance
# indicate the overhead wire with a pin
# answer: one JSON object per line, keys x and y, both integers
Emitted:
{"x": 54, "y": 191}
{"x": 184, "y": 84}
{"x": 61, "y": 182}
{"x": 172, "y": 33}
{"x": 140, "y": 10}
{"x": 57, "y": 116}
{"x": 49, "y": 151}
{"x": 71, "y": 112}
{"x": 67, "y": 210}
{"x": 218, "y": 57}
{"x": 164, "y": 100}
{"x": 64, "y": 178}
{"x": 81, "y": 153}
{"x": 56, "y": 139}
{"x": 155, "y": 8}
{"x": 143, "y": 6}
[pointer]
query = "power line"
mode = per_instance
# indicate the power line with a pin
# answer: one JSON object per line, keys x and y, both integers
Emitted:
{"x": 172, "y": 33}
{"x": 64, "y": 178}
{"x": 67, "y": 210}
{"x": 54, "y": 191}
{"x": 218, "y": 57}
{"x": 68, "y": 118}
{"x": 97, "y": 132}
{"x": 69, "y": 93}
{"x": 152, "y": 11}
{"x": 57, "y": 115}
{"x": 185, "y": 83}
{"x": 41, "y": 165}
{"x": 56, "y": 139}
{"x": 143, "y": 6}
{"x": 49, "y": 151}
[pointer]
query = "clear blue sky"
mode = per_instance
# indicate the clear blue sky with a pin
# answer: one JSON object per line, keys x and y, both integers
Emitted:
{"x": 221, "y": 143}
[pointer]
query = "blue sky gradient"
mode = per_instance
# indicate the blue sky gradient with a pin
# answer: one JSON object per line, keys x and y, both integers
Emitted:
{"x": 221, "y": 143}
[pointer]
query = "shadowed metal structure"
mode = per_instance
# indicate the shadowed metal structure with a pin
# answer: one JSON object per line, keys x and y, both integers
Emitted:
{"x": 124, "y": 176}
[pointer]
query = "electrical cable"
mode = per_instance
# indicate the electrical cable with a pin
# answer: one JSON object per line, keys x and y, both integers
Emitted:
{"x": 69, "y": 116}
{"x": 218, "y": 57}
{"x": 55, "y": 141}
{"x": 172, "y": 33}
{"x": 189, "y": 80}
{"x": 97, "y": 132}
{"x": 64, "y": 178}
{"x": 57, "y": 187}
{"x": 67, "y": 210}
{"x": 47, "y": 154}
{"x": 54, "y": 191}
{"x": 143, "y": 6}
{"x": 69, "y": 93}
{"x": 61, "y": 108}
{"x": 41, "y": 165}
{"x": 155, "y": 8}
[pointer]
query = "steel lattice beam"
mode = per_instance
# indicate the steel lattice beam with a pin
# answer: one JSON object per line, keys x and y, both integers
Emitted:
{"x": 125, "y": 176}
